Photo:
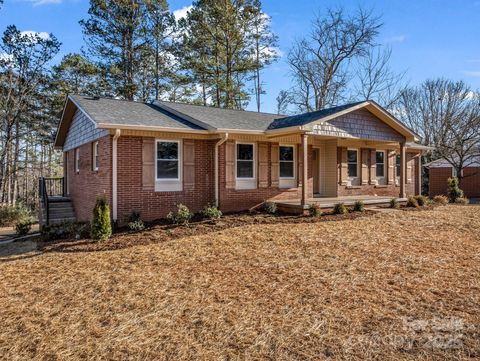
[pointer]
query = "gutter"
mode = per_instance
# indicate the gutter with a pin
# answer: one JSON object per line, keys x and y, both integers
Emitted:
{"x": 114, "y": 175}
{"x": 216, "y": 175}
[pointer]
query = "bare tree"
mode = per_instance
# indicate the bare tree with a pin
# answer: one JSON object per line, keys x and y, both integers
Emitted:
{"x": 283, "y": 99}
{"x": 376, "y": 81}
{"x": 447, "y": 115}
{"x": 319, "y": 63}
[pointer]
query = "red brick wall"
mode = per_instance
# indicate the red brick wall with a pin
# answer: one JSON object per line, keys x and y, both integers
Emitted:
{"x": 437, "y": 180}
{"x": 232, "y": 200}
{"x": 84, "y": 187}
{"x": 154, "y": 205}
{"x": 471, "y": 182}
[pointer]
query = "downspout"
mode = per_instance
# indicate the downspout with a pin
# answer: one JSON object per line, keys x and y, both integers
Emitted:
{"x": 114, "y": 176}
{"x": 216, "y": 175}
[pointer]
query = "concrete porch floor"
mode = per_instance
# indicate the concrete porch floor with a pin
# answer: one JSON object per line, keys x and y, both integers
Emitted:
{"x": 329, "y": 202}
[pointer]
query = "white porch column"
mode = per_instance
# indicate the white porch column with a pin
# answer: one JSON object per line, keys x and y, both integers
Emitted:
{"x": 305, "y": 169}
{"x": 403, "y": 169}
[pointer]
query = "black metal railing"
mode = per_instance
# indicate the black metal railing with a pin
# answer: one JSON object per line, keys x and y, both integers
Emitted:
{"x": 48, "y": 188}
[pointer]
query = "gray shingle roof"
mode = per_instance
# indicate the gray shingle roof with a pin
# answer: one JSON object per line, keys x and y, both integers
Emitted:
{"x": 305, "y": 118}
{"x": 224, "y": 118}
{"x": 112, "y": 111}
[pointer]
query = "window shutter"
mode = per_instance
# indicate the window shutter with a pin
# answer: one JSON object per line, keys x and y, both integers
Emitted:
{"x": 263, "y": 165}
{"x": 189, "y": 164}
{"x": 148, "y": 163}
{"x": 373, "y": 166}
{"x": 391, "y": 166}
{"x": 230, "y": 164}
{"x": 365, "y": 153}
{"x": 409, "y": 159}
{"x": 342, "y": 165}
{"x": 275, "y": 167}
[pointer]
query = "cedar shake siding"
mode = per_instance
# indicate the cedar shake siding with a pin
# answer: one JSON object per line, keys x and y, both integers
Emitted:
{"x": 86, "y": 185}
{"x": 82, "y": 131}
{"x": 359, "y": 124}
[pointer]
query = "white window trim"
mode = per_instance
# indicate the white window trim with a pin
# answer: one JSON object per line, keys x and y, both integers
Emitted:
{"x": 358, "y": 164}
{"x": 179, "y": 159}
{"x": 77, "y": 160}
{"x": 384, "y": 157}
{"x": 95, "y": 154}
{"x": 294, "y": 161}
{"x": 254, "y": 162}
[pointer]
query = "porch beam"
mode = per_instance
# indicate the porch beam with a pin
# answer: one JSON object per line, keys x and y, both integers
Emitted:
{"x": 305, "y": 169}
{"x": 403, "y": 169}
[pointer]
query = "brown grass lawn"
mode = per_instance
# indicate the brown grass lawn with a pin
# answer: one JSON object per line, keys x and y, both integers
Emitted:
{"x": 402, "y": 285}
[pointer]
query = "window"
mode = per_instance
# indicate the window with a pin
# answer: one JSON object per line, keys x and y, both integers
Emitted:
{"x": 352, "y": 160}
{"x": 168, "y": 160}
{"x": 380, "y": 162}
{"x": 287, "y": 161}
{"x": 245, "y": 161}
{"x": 77, "y": 160}
{"x": 397, "y": 165}
{"x": 95, "y": 156}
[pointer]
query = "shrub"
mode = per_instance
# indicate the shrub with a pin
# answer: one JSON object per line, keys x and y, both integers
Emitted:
{"x": 462, "y": 200}
{"x": 269, "y": 207}
{"x": 340, "y": 208}
{"x": 359, "y": 206}
{"x": 421, "y": 200}
{"x": 314, "y": 210}
{"x": 10, "y": 215}
{"x": 181, "y": 216}
{"x": 210, "y": 211}
{"x": 135, "y": 222}
{"x": 440, "y": 200}
{"x": 454, "y": 191}
{"x": 23, "y": 227}
{"x": 394, "y": 203}
{"x": 412, "y": 202}
{"x": 101, "y": 228}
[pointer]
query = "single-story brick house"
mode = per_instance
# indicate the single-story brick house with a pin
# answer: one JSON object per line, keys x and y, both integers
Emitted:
{"x": 440, "y": 170}
{"x": 150, "y": 157}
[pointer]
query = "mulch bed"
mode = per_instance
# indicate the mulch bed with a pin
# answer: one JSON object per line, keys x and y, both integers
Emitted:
{"x": 159, "y": 231}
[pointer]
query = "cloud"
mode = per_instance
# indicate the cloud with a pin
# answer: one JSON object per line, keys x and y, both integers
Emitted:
{"x": 42, "y": 34}
{"x": 396, "y": 39}
{"x": 44, "y": 2}
{"x": 181, "y": 13}
{"x": 473, "y": 73}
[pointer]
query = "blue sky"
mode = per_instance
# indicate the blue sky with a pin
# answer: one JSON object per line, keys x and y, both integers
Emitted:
{"x": 429, "y": 38}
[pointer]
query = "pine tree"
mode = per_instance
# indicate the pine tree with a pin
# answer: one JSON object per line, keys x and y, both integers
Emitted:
{"x": 115, "y": 39}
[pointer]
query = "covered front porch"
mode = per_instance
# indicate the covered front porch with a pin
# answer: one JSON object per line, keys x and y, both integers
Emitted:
{"x": 297, "y": 206}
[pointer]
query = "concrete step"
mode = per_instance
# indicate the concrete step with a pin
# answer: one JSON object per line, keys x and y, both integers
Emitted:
{"x": 62, "y": 219}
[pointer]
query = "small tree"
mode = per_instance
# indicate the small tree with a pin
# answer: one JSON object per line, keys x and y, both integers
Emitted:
{"x": 454, "y": 191}
{"x": 101, "y": 227}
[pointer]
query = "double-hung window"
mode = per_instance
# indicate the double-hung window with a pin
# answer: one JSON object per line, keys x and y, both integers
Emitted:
{"x": 245, "y": 160}
{"x": 287, "y": 161}
{"x": 77, "y": 160}
{"x": 95, "y": 156}
{"x": 380, "y": 163}
{"x": 352, "y": 160}
{"x": 168, "y": 160}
